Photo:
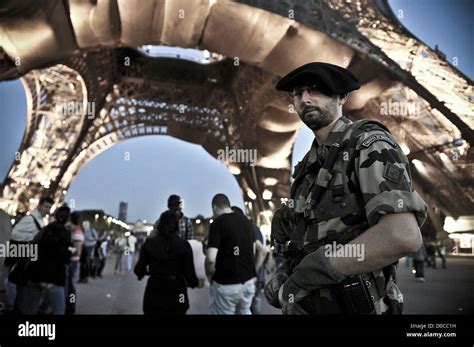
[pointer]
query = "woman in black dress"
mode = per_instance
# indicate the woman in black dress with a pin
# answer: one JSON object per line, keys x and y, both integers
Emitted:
{"x": 168, "y": 260}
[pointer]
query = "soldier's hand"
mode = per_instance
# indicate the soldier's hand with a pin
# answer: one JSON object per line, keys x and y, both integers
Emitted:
{"x": 282, "y": 224}
{"x": 290, "y": 296}
{"x": 273, "y": 285}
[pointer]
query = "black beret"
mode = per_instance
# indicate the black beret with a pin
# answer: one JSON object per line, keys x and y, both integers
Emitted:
{"x": 329, "y": 79}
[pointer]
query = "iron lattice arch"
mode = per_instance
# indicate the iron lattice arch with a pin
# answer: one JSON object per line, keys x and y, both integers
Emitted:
{"x": 224, "y": 103}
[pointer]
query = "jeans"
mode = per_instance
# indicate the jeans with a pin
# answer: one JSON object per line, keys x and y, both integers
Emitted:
{"x": 408, "y": 261}
{"x": 129, "y": 260}
{"x": 11, "y": 294}
{"x": 53, "y": 293}
{"x": 45, "y": 303}
{"x": 118, "y": 261}
{"x": 232, "y": 298}
{"x": 256, "y": 306}
{"x": 11, "y": 291}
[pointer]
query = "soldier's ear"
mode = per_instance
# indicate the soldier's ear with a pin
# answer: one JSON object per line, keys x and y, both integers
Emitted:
{"x": 343, "y": 99}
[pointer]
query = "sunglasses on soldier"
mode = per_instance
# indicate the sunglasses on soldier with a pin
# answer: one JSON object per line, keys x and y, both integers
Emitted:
{"x": 298, "y": 92}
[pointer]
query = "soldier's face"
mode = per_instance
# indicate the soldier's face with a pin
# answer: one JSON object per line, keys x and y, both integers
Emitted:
{"x": 315, "y": 109}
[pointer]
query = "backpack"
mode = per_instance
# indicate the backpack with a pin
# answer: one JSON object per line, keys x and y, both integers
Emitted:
{"x": 19, "y": 271}
{"x": 120, "y": 245}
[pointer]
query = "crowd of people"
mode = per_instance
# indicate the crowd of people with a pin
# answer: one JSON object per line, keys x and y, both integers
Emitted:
{"x": 174, "y": 261}
{"x": 231, "y": 260}
{"x": 69, "y": 251}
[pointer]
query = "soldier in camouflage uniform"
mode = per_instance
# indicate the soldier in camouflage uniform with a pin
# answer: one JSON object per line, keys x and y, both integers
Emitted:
{"x": 353, "y": 188}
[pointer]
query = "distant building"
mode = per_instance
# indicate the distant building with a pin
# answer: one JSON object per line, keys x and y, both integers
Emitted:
{"x": 122, "y": 215}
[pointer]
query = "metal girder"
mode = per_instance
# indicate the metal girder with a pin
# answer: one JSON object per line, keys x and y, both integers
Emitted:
{"x": 48, "y": 139}
{"x": 361, "y": 25}
{"x": 222, "y": 103}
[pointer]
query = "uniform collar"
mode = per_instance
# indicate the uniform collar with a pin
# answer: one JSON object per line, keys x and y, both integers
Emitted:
{"x": 341, "y": 124}
{"x": 319, "y": 151}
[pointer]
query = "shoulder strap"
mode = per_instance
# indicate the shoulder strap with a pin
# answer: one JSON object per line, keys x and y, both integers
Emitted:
{"x": 36, "y": 240}
{"x": 354, "y": 130}
{"x": 327, "y": 177}
{"x": 36, "y": 222}
{"x": 347, "y": 140}
{"x": 324, "y": 175}
{"x": 297, "y": 174}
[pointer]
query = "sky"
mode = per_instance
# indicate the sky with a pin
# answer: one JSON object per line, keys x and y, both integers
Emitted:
{"x": 162, "y": 165}
{"x": 446, "y": 23}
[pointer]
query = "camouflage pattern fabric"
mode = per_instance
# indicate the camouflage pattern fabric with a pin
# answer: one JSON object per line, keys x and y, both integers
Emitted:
{"x": 379, "y": 184}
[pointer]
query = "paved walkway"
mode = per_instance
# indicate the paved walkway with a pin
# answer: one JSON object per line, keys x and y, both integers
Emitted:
{"x": 449, "y": 291}
{"x": 114, "y": 294}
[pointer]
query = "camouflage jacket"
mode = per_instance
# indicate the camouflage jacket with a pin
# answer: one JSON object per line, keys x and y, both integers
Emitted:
{"x": 375, "y": 182}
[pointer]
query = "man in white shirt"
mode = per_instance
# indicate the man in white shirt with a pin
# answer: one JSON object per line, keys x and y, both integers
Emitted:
{"x": 26, "y": 229}
{"x": 24, "y": 232}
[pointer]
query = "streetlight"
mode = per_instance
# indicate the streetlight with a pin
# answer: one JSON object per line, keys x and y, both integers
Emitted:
{"x": 251, "y": 194}
{"x": 267, "y": 194}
